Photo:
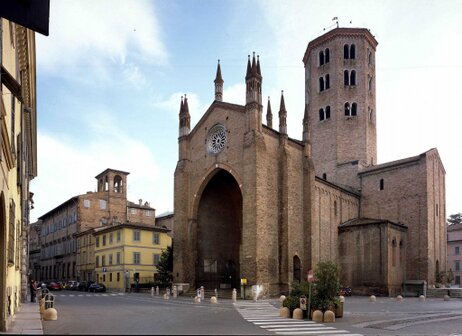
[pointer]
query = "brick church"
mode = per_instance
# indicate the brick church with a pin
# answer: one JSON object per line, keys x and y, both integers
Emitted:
{"x": 251, "y": 202}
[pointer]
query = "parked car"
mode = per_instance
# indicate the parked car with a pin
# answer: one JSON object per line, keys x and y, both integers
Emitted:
{"x": 97, "y": 287}
{"x": 71, "y": 285}
{"x": 83, "y": 285}
{"x": 345, "y": 291}
{"x": 53, "y": 286}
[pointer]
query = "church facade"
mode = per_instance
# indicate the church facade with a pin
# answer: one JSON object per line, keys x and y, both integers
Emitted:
{"x": 252, "y": 203}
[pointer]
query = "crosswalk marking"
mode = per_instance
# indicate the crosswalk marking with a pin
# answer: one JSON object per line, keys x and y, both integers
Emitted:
{"x": 266, "y": 316}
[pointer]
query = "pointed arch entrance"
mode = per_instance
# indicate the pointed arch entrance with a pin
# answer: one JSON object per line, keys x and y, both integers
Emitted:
{"x": 219, "y": 231}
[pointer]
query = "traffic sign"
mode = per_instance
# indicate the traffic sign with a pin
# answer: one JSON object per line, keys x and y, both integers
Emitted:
{"x": 310, "y": 276}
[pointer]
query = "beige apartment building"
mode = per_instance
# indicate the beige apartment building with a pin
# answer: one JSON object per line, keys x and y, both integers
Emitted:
{"x": 67, "y": 245}
{"x": 251, "y": 202}
{"x": 18, "y": 161}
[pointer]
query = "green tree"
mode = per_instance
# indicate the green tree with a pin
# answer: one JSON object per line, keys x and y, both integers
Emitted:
{"x": 165, "y": 268}
{"x": 326, "y": 285}
{"x": 455, "y": 219}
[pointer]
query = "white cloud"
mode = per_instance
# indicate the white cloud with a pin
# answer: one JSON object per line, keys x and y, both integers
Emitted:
{"x": 89, "y": 36}
{"x": 234, "y": 94}
{"x": 67, "y": 169}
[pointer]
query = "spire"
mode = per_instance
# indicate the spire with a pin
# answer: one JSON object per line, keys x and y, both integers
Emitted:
{"x": 254, "y": 65}
{"x": 218, "y": 84}
{"x": 185, "y": 118}
{"x": 269, "y": 115}
{"x": 282, "y": 116}
{"x": 258, "y": 65}
{"x": 248, "y": 67}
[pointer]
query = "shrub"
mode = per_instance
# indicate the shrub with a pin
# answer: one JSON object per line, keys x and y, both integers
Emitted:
{"x": 291, "y": 302}
{"x": 326, "y": 285}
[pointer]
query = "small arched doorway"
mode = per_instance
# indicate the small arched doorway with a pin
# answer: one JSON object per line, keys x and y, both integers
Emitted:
{"x": 219, "y": 226}
{"x": 297, "y": 269}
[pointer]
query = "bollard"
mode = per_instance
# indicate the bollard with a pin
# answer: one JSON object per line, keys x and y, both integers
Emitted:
{"x": 329, "y": 316}
{"x": 372, "y": 298}
{"x": 421, "y": 298}
{"x": 341, "y": 298}
{"x": 213, "y": 300}
{"x": 202, "y": 293}
{"x": 152, "y": 291}
{"x": 399, "y": 298}
{"x": 234, "y": 296}
{"x": 175, "y": 292}
{"x": 216, "y": 293}
{"x": 167, "y": 294}
{"x": 157, "y": 290}
{"x": 281, "y": 299}
{"x": 298, "y": 314}
{"x": 284, "y": 312}
{"x": 197, "y": 299}
{"x": 447, "y": 298}
{"x": 317, "y": 316}
{"x": 50, "y": 314}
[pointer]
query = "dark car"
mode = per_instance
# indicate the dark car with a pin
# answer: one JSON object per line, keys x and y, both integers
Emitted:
{"x": 97, "y": 287}
{"x": 53, "y": 286}
{"x": 72, "y": 285}
{"x": 345, "y": 291}
{"x": 84, "y": 285}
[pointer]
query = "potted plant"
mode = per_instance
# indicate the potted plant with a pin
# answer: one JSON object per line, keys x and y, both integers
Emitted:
{"x": 326, "y": 288}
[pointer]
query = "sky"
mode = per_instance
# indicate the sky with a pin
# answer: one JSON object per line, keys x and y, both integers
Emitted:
{"x": 111, "y": 74}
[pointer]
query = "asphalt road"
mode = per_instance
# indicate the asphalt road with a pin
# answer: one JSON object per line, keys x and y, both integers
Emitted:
{"x": 136, "y": 313}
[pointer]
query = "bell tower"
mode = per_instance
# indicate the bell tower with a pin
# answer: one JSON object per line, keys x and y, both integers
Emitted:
{"x": 340, "y": 98}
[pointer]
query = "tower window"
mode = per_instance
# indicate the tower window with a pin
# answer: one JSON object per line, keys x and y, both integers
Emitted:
{"x": 353, "y": 77}
{"x": 346, "y": 77}
{"x": 369, "y": 85}
{"x": 346, "y": 51}
{"x": 352, "y": 51}
{"x": 369, "y": 58}
{"x": 321, "y": 57}
{"x": 324, "y": 176}
{"x": 370, "y": 114}
{"x": 354, "y": 108}
{"x": 381, "y": 186}
{"x": 324, "y": 114}
{"x": 347, "y": 109}
{"x": 327, "y": 81}
{"x": 327, "y": 56}
{"x": 321, "y": 114}
{"x": 321, "y": 84}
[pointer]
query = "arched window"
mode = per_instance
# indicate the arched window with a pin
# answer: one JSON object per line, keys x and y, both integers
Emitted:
{"x": 327, "y": 112}
{"x": 321, "y": 84}
{"x": 324, "y": 176}
{"x": 352, "y": 52}
{"x": 347, "y": 109}
{"x": 297, "y": 269}
{"x": 335, "y": 208}
{"x": 327, "y": 56}
{"x": 353, "y": 77}
{"x": 369, "y": 58}
{"x": 369, "y": 85}
{"x": 346, "y": 78}
{"x": 370, "y": 114}
{"x": 321, "y": 114}
{"x": 321, "y": 57}
{"x": 327, "y": 81}
{"x": 117, "y": 184}
{"x": 346, "y": 51}
{"x": 354, "y": 109}
{"x": 382, "y": 184}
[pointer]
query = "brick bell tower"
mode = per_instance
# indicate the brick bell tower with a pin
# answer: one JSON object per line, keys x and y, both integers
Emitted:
{"x": 340, "y": 98}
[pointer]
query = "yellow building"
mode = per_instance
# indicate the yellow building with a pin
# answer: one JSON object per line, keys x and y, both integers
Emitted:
{"x": 18, "y": 162}
{"x": 126, "y": 252}
{"x": 86, "y": 255}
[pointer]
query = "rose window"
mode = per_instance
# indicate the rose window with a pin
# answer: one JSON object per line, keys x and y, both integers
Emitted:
{"x": 217, "y": 139}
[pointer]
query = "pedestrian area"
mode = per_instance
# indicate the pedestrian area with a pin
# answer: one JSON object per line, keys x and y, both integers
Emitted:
{"x": 266, "y": 316}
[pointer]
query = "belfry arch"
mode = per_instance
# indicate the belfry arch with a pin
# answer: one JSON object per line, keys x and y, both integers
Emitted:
{"x": 219, "y": 232}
